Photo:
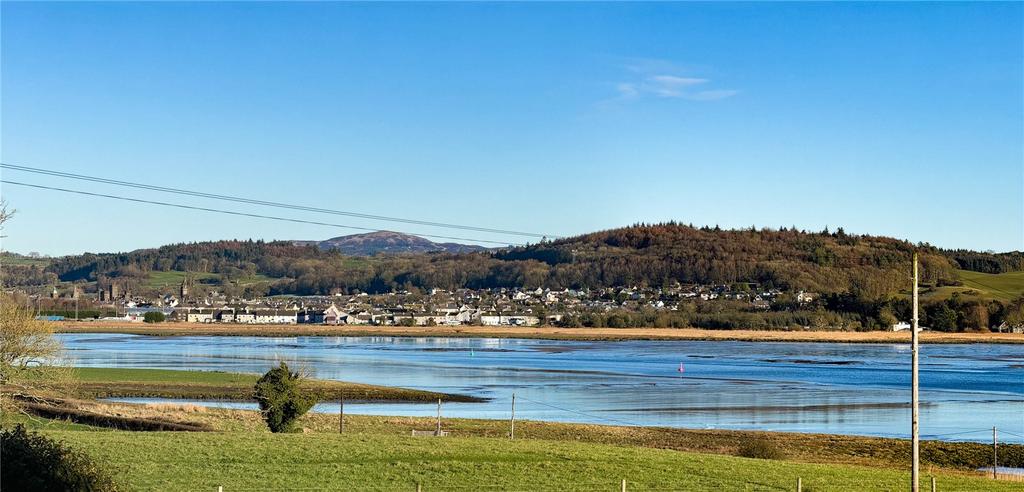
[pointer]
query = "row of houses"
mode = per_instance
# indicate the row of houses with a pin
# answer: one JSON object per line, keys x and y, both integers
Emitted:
{"x": 333, "y": 315}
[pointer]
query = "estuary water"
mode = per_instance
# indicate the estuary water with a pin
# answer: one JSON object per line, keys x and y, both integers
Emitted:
{"x": 860, "y": 389}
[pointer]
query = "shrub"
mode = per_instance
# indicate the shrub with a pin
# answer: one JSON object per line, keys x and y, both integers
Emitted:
{"x": 33, "y": 462}
{"x": 760, "y": 449}
{"x": 154, "y": 317}
{"x": 281, "y": 399}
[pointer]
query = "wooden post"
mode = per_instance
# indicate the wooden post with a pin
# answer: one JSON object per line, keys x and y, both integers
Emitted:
{"x": 915, "y": 443}
{"x": 419, "y": 487}
{"x": 995, "y": 452}
{"x": 623, "y": 485}
{"x": 799, "y": 484}
{"x": 513, "y": 433}
{"x": 438, "y": 431}
{"x": 933, "y": 484}
{"x": 220, "y": 488}
{"x": 341, "y": 414}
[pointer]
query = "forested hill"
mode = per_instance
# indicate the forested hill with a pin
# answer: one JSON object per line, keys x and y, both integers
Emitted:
{"x": 826, "y": 262}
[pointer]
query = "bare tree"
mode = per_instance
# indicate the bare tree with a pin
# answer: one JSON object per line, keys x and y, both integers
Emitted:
{"x": 5, "y": 214}
{"x": 30, "y": 364}
{"x": 26, "y": 343}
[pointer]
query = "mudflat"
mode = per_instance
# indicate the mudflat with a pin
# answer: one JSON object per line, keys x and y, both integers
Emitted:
{"x": 552, "y": 333}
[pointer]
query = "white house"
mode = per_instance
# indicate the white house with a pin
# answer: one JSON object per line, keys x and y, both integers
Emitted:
{"x": 275, "y": 317}
{"x": 200, "y": 316}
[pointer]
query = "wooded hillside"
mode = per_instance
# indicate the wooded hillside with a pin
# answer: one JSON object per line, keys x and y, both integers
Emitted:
{"x": 641, "y": 255}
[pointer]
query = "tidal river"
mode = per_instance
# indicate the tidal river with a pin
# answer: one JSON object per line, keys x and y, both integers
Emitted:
{"x": 803, "y": 387}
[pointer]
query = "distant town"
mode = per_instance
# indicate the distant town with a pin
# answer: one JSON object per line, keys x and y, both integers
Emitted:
{"x": 437, "y": 307}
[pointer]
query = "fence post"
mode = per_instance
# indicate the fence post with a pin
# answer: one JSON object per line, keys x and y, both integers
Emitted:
{"x": 623, "y": 485}
{"x": 419, "y": 487}
{"x": 341, "y": 413}
{"x": 995, "y": 453}
{"x": 438, "y": 431}
{"x": 220, "y": 488}
{"x": 933, "y": 484}
{"x": 513, "y": 433}
{"x": 799, "y": 484}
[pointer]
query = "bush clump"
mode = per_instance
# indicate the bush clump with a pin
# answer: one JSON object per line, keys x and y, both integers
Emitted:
{"x": 33, "y": 462}
{"x": 281, "y": 398}
{"x": 760, "y": 449}
{"x": 154, "y": 317}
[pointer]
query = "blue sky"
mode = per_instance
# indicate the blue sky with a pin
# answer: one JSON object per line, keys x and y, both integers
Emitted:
{"x": 893, "y": 119}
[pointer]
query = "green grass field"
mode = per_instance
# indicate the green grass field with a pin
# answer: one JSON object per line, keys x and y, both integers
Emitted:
{"x": 1003, "y": 286}
{"x": 247, "y": 461}
{"x": 982, "y": 286}
{"x": 104, "y": 374}
{"x": 21, "y": 260}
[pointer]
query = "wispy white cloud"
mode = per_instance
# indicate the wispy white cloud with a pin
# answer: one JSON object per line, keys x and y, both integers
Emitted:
{"x": 663, "y": 79}
{"x": 713, "y": 95}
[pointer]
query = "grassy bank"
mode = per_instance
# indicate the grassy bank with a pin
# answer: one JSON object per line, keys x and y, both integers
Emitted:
{"x": 550, "y": 333}
{"x": 211, "y": 385}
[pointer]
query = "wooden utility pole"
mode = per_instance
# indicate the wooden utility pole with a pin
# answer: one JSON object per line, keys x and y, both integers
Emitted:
{"x": 995, "y": 452}
{"x": 513, "y": 433}
{"x": 914, "y": 437}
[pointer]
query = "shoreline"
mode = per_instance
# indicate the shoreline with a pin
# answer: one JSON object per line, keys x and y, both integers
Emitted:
{"x": 545, "y": 333}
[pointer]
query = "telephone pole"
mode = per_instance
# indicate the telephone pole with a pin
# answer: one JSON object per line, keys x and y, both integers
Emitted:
{"x": 914, "y": 437}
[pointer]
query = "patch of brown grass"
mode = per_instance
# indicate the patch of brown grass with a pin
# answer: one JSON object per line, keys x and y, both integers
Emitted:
{"x": 553, "y": 333}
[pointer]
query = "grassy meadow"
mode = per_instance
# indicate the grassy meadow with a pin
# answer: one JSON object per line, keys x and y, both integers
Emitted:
{"x": 983, "y": 286}
{"x": 1003, "y": 286}
{"x": 7, "y": 258}
{"x": 264, "y": 461}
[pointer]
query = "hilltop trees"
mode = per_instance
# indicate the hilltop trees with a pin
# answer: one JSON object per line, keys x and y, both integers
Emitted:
{"x": 643, "y": 255}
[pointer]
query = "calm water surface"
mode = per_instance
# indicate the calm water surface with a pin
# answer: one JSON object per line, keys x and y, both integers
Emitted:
{"x": 803, "y": 387}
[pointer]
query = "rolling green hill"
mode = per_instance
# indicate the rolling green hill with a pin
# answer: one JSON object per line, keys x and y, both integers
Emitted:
{"x": 1003, "y": 286}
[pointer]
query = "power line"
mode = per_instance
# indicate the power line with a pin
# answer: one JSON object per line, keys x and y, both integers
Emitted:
{"x": 242, "y": 214}
{"x": 252, "y": 201}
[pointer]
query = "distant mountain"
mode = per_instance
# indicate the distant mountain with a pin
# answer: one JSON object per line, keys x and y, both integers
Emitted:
{"x": 388, "y": 242}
